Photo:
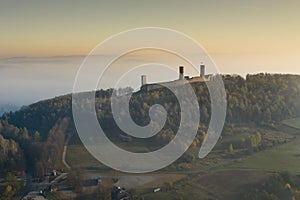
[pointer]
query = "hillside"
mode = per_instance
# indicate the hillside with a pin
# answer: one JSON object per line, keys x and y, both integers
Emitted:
{"x": 261, "y": 100}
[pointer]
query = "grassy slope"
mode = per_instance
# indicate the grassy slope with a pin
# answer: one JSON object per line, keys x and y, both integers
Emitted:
{"x": 284, "y": 157}
{"x": 216, "y": 185}
{"x": 295, "y": 123}
{"x": 224, "y": 181}
{"x": 78, "y": 156}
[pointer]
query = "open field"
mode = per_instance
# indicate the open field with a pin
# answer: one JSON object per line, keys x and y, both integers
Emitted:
{"x": 78, "y": 156}
{"x": 235, "y": 140}
{"x": 215, "y": 185}
{"x": 295, "y": 123}
{"x": 215, "y": 177}
{"x": 284, "y": 157}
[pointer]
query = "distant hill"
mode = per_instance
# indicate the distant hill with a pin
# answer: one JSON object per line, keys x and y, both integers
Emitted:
{"x": 6, "y": 108}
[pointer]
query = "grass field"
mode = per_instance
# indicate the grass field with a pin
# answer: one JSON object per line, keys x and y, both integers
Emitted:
{"x": 295, "y": 123}
{"x": 78, "y": 156}
{"x": 215, "y": 177}
{"x": 284, "y": 157}
{"x": 216, "y": 185}
{"x": 235, "y": 140}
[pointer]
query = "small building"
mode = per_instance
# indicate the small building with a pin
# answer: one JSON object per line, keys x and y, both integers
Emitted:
{"x": 143, "y": 80}
{"x": 99, "y": 180}
{"x": 181, "y": 72}
{"x": 119, "y": 193}
{"x": 202, "y": 70}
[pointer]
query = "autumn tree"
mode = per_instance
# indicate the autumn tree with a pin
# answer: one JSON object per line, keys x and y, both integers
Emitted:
{"x": 230, "y": 149}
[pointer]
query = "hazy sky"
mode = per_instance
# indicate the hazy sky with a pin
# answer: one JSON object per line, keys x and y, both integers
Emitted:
{"x": 241, "y": 36}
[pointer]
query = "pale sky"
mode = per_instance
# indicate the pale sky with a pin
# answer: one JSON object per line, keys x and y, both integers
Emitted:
{"x": 245, "y": 30}
{"x": 241, "y": 36}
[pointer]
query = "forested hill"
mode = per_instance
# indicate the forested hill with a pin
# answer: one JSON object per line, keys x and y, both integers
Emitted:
{"x": 262, "y": 99}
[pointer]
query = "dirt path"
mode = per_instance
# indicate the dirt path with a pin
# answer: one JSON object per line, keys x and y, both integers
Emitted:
{"x": 65, "y": 152}
{"x": 130, "y": 181}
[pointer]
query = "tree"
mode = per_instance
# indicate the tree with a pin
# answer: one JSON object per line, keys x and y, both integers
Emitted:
{"x": 165, "y": 136}
{"x": 204, "y": 114}
{"x": 36, "y": 136}
{"x": 8, "y": 191}
{"x": 258, "y": 137}
{"x": 10, "y": 177}
{"x": 255, "y": 140}
{"x": 230, "y": 149}
{"x": 267, "y": 116}
{"x": 169, "y": 184}
{"x": 25, "y": 135}
{"x": 75, "y": 179}
{"x": 103, "y": 193}
{"x": 39, "y": 170}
